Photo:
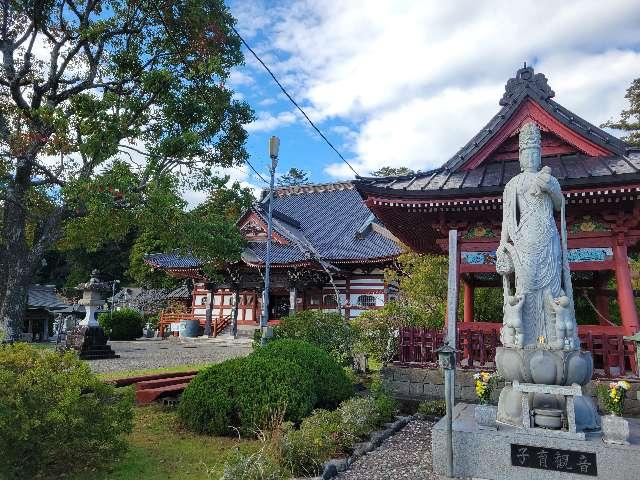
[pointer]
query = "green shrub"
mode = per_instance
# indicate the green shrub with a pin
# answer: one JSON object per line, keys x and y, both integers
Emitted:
{"x": 433, "y": 408}
{"x": 330, "y": 381}
{"x": 125, "y": 324}
{"x": 328, "y": 331}
{"x": 321, "y": 437}
{"x": 359, "y": 416}
{"x": 55, "y": 415}
{"x": 245, "y": 393}
{"x": 253, "y": 466}
{"x": 386, "y": 407}
{"x": 153, "y": 319}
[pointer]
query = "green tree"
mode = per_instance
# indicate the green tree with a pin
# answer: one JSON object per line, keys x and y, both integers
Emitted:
{"x": 422, "y": 286}
{"x": 629, "y": 120}
{"x": 293, "y": 177}
{"x": 392, "y": 172}
{"x": 128, "y": 98}
{"x": 208, "y": 232}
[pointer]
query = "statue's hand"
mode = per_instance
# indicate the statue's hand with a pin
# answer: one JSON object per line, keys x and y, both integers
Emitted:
{"x": 542, "y": 181}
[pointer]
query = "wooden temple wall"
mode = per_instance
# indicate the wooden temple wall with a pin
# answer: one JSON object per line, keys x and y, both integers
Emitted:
{"x": 358, "y": 293}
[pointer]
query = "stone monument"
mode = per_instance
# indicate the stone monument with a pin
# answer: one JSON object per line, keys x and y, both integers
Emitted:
{"x": 539, "y": 334}
{"x": 88, "y": 338}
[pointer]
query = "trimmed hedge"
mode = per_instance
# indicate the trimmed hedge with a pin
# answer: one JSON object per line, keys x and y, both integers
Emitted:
{"x": 56, "y": 417}
{"x": 246, "y": 393}
{"x": 331, "y": 383}
{"x": 125, "y": 324}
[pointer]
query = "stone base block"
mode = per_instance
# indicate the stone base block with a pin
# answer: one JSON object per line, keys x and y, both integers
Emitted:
{"x": 487, "y": 454}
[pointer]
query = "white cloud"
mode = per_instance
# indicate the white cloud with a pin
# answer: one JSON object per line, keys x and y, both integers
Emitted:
{"x": 242, "y": 175}
{"x": 417, "y": 79}
{"x": 266, "y": 121}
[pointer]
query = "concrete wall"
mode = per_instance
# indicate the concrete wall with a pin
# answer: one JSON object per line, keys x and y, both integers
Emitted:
{"x": 428, "y": 384}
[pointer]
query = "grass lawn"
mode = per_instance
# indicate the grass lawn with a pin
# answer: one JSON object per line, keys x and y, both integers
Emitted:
{"x": 159, "y": 449}
{"x": 154, "y": 371}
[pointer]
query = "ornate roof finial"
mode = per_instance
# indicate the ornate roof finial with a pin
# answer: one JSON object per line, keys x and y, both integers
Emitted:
{"x": 525, "y": 80}
{"x": 529, "y": 136}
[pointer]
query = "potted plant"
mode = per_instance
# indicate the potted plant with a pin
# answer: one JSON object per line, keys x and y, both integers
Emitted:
{"x": 615, "y": 429}
{"x": 485, "y": 413}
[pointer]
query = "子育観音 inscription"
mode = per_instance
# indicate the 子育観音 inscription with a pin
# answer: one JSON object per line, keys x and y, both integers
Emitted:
{"x": 582, "y": 463}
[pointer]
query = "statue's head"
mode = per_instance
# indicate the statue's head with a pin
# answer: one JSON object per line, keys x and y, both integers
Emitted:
{"x": 530, "y": 147}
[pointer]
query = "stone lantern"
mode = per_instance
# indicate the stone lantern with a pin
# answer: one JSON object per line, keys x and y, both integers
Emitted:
{"x": 88, "y": 338}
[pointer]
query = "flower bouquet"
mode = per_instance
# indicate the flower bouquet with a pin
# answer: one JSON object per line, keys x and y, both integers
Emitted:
{"x": 613, "y": 396}
{"x": 615, "y": 429}
{"x": 485, "y": 384}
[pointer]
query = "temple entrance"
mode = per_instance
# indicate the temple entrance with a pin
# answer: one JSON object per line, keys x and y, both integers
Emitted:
{"x": 278, "y": 306}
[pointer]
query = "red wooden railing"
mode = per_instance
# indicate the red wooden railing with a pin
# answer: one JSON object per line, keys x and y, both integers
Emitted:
{"x": 218, "y": 324}
{"x": 477, "y": 344}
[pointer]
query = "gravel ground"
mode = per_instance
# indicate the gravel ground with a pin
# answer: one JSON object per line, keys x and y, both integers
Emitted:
{"x": 145, "y": 354}
{"x": 406, "y": 455}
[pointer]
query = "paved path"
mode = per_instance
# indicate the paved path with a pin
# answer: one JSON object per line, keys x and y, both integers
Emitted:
{"x": 146, "y": 354}
{"x": 405, "y": 456}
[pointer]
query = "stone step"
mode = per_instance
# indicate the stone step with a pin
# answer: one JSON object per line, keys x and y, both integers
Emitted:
{"x": 98, "y": 356}
{"x": 123, "y": 382}
{"x": 146, "y": 396}
{"x": 163, "y": 382}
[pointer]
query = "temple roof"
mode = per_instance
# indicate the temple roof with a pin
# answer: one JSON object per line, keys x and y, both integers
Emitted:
{"x": 490, "y": 178}
{"x": 45, "y": 296}
{"x": 319, "y": 224}
{"x": 579, "y": 153}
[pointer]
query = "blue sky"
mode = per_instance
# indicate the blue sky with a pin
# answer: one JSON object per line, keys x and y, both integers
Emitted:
{"x": 406, "y": 83}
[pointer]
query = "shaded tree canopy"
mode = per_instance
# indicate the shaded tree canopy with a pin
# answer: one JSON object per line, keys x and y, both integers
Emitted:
{"x": 108, "y": 108}
{"x": 392, "y": 172}
{"x": 629, "y": 120}
{"x": 293, "y": 177}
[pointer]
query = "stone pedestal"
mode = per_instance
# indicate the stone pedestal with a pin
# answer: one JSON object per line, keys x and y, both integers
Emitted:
{"x": 553, "y": 382}
{"x": 90, "y": 342}
{"x": 499, "y": 455}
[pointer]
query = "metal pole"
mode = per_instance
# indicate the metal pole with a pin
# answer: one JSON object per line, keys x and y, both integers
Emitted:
{"x": 448, "y": 381}
{"x": 450, "y": 374}
{"x": 273, "y": 153}
{"x": 452, "y": 302}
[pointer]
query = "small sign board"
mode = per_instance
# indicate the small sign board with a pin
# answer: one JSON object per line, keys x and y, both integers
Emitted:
{"x": 544, "y": 458}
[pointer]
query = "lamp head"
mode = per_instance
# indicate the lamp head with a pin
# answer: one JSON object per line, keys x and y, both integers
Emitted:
{"x": 274, "y": 147}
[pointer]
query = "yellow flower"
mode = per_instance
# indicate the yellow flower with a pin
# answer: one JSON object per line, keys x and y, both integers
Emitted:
{"x": 485, "y": 376}
{"x": 588, "y": 227}
{"x": 624, "y": 384}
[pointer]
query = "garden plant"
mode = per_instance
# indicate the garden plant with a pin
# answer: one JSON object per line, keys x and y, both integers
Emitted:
{"x": 56, "y": 416}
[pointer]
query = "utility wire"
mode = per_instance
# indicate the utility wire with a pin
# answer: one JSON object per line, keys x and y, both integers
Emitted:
{"x": 293, "y": 101}
{"x": 256, "y": 172}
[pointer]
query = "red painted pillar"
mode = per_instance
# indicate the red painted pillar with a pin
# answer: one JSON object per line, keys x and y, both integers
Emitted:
{"x": 625, "y": 289}
{"x": 468, "y": 302}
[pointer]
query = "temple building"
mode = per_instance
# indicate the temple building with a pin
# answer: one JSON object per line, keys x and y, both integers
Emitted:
{"x": 328, "y": 252}
{"x": 600, "y": 179}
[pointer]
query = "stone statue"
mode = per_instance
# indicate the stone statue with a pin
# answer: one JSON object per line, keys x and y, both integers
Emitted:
{"x": 530, "y": 256}
{"x": 539, "y": 338}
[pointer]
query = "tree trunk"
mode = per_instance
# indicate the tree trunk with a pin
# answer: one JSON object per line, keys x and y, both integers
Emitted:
{"x": 16, "y": 263}
{"x": 17, "y": 277}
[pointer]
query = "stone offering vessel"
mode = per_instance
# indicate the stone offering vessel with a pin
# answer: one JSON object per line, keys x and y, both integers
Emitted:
{"x": 539, "y": 334}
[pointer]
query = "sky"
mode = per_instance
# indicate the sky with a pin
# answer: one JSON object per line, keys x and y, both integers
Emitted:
{"x": 407, "y": 83}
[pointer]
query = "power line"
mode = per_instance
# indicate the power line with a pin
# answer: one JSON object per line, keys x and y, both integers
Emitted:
{"x": 256, "y": 171}
{"x": 293, "y": 101}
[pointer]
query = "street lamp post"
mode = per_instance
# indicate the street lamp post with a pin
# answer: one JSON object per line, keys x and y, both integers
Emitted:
{"x": 113, "y": 294}
{"x": 274, "y": 147}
